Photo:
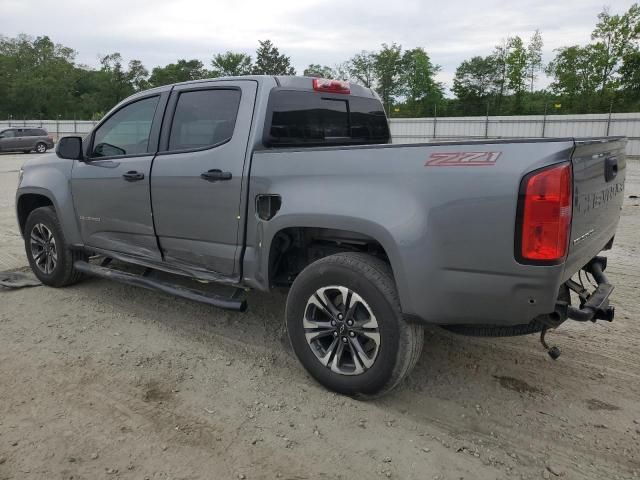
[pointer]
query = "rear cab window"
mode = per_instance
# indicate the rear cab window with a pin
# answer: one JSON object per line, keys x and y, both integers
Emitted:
{"x": 309, "y": 118}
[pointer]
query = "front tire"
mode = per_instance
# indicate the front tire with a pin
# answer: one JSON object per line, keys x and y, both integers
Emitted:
{"x": 346, "y": 327}
{"x": 41, "y": 147}
{"x": 49, "y": 256}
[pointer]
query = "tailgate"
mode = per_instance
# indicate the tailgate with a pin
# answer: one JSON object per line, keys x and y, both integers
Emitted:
{"x": 598, "y": 184}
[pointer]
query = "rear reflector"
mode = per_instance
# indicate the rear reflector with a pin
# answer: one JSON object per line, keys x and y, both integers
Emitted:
{"x": 545, "y": 214}
{"x": 333, "y": 86}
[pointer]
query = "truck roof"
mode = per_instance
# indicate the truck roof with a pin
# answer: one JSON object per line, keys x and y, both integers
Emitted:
{"x": 284, "y": 81}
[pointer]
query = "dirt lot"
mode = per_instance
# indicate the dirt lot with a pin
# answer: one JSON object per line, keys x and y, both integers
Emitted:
{"x": 102, "y": 380}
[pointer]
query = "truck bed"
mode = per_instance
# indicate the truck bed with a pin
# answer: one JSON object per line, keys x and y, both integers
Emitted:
{"x": 445, "y": 214}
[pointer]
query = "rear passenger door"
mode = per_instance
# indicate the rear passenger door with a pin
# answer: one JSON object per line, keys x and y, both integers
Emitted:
{"x": 196, "y": 180}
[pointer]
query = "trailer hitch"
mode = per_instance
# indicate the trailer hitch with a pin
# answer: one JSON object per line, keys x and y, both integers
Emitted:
{"x": 594, "y": 306}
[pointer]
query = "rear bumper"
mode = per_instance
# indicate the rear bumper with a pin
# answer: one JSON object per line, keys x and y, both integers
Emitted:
{"x": 464, "y": 297}
{"x": 500, "y": 300}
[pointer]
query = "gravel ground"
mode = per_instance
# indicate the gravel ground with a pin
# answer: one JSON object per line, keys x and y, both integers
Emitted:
{"x": 102, "y": 380}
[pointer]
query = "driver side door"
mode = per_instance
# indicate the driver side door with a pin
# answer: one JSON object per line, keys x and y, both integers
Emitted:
{"x": 111, "y": 187}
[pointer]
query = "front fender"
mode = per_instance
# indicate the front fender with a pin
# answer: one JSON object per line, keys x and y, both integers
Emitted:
{"x": 49, "y": 176}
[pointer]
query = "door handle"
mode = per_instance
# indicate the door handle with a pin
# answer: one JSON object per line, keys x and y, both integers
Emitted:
{"x": 133, "y": 176}
{"x": 215, "y": 175}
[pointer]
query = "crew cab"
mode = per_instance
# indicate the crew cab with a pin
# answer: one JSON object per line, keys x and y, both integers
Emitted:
{"x": 260, "y": 182}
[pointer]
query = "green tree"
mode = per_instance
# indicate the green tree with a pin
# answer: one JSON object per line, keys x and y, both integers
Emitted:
{"x": 500, "y": 55}
{"x": 417, "y": 81}
{"x": 37, "y": 77}
{"x": 616, "y": 36}
{"x": 574, "y": 78}
{"x": 231, "y": 64}
{"x": 137, "y": 75}
{"x": 476, "y": 82}
{"x": 269, "y": 61}
{"x": 630, "y": 75}
{"x": 534, "y": 58}
{"x": 116, "y": 84}
{"x": 341, "y": 71}
{"x": 388, "y": 67}
{"x": 362, "y": 68}
{"x": 181, "y": 71}
{"x": 516, "y": 63}
{"x": 320, "y": 71}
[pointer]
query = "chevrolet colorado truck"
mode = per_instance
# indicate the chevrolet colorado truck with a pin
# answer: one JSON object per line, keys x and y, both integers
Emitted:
{"x": 260, "y": 182}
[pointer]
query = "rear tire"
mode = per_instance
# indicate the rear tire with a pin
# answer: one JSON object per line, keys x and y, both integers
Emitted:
{"x": 41, "y": 147}
{"x": 49, "y": 255}
{"x": 374, "y": 349}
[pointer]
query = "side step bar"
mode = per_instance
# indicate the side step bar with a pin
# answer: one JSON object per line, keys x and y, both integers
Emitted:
{"x": 151, "y": 284}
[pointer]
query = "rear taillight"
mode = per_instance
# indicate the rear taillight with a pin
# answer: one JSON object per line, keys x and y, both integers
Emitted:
{"x": 544, "y": 215}
{"x": 333, "y": 86}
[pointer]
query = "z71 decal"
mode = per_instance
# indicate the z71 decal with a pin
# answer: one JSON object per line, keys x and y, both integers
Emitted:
{"x": 462, "y": 159}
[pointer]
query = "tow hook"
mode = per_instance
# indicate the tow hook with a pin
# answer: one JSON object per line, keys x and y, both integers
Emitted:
{"x": 553, "y": 351}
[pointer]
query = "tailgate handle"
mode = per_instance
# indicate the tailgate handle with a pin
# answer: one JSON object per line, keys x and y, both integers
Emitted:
{"x": 610, "y": 168}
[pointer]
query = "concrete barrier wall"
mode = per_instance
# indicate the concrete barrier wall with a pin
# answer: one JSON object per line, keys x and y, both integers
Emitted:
{"x": 415, "y": 130}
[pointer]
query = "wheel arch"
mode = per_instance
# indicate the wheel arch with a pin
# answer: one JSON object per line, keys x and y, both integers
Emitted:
{"x": 335, "y": 234}
{"x": 27, "y": 203}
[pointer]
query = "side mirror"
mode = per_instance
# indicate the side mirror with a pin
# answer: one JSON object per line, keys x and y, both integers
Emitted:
{"x": 70, "y": 148}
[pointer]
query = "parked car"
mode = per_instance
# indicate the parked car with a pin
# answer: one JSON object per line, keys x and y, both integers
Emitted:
{"x": 260, "y": 182}
{"x": 25, "y": 139}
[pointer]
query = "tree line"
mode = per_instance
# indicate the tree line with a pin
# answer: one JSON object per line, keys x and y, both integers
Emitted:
{"x": 41, "y": 79}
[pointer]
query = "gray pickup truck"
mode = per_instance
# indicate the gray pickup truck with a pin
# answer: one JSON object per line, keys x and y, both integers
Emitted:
{"x": 260, "y": 182}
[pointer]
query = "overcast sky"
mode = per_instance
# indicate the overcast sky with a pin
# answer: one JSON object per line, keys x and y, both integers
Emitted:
{"x": 309, "y": 31}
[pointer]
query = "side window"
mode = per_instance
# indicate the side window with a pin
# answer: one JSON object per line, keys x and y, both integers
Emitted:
{"x": 204, "y": 118}
{"x": 126, "y": 132}
{"x": 8, "y": 134}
